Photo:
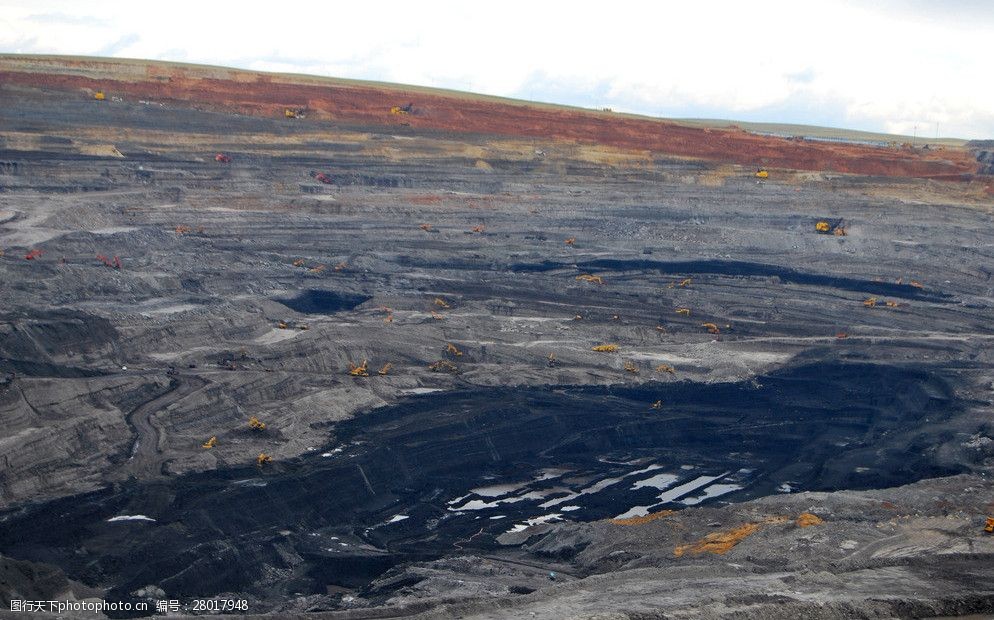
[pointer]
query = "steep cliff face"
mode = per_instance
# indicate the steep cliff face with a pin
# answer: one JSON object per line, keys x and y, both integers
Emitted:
{"x": 986, "y": 160}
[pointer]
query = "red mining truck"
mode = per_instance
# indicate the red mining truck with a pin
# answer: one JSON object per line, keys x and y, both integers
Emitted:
{"x": 324, "y": 178}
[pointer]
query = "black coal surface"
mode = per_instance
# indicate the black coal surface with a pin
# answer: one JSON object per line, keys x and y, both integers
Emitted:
{"x": 746, "y": 269}
{"x": 437, "y": 474}
{"x": 316, "y": 301}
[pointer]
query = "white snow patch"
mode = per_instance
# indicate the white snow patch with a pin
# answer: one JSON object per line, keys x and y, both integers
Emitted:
{"x": 712, "y": 491}
{"x": 549, "y": 474}
{"x": 520, "y": 527}
{"x": 659, "y": 481}
{"x": 476, "y": 504}
{"x": 688, "y": 487}
{"x": 497, "y": 490}
{"x": 671, "y": 495}
{"x": 131, "y": 518}
{"x": 634, "y": 511}
{"x": 419, "y": 390}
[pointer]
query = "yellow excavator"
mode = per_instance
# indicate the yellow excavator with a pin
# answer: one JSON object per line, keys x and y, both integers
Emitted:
{"x": 210, "y": 443}
{"x": 989, "y": 526}
{"x": 256, "y": 424}
{"x": 362, "y": 370}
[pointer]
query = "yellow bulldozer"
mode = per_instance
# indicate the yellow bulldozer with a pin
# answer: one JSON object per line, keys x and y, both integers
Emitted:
{"x": 256, "y": 424}
{"x": 762, "y": 174}
{"x": 989, "y": 526}
{"x": 825, "y": 227}
{"x": 263, "y": 459}
{"x": 99, "y": 95}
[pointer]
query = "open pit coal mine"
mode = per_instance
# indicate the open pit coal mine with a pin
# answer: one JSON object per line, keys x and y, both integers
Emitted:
{"x": 270, "y": 348}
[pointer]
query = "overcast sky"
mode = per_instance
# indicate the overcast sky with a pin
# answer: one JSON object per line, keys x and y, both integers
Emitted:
{"x": 880, "y": 66}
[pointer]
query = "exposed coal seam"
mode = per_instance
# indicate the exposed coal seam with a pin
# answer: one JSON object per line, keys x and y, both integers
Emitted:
{"x": 419, "y": 453}
{"x": 742, "y": 269}
{"x": 28, "y": 368}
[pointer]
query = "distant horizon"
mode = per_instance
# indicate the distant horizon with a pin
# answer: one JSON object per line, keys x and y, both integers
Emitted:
{"x": 895, "y": 67}
{"x": 717, "y": 122}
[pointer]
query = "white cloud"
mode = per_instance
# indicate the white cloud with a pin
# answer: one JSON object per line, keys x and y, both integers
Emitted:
{"x": 885, "y": 66}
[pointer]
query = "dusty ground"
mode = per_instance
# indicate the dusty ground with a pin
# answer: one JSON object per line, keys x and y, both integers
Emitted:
{"x": 803, "y": 402}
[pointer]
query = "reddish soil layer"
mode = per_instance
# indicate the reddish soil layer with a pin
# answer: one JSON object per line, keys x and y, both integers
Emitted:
{"x": 267, "y": 95}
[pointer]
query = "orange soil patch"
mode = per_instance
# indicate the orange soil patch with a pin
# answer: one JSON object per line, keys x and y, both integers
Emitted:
{"x": 642, "y": 520}
{"x": 718, "y": 542}
{"x": 806, "y": 519}
{"x": 721, "y": 542}
{"x": 268, "y": 94}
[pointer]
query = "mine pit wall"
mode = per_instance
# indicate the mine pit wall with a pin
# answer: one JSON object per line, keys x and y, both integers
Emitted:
{"x": 367, "y": 103}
